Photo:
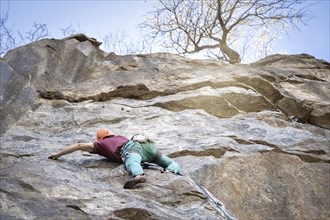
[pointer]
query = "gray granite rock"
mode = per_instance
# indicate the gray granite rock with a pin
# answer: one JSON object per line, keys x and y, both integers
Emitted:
{"x": 255, "y": 137}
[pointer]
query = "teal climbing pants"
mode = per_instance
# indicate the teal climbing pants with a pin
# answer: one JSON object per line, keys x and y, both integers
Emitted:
{"x": 136, "y": 152}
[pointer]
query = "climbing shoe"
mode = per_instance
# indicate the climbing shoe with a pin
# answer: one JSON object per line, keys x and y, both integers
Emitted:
{"x": 134, "y": 181}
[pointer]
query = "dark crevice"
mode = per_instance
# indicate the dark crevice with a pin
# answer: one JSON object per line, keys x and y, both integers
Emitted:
{"x": 51, "y": 49}
{"x": 242, "y": 141}
{"x": 283, "y": 101}
{"x": 266, "y": 144}
{"x": 310, "y": 159}
{"x": 93, "y": 122}
{"x": 214, "y": 85}
{"x": 269, "y": 78}
{"x": 25, "y": 138}
{"x": 53, "y": 95}
{"x": 75, "y": 207}
{"x": 316, "y": 152}
{"x": 26, "y": 186}
{"x": 134, "y": 213}
{"x": 184, "y": 198}
{"x": 215, "y": 152}
{"x": 262, "y": 86}
{"x": 294, "y": 81}
{"x": 310, "y": 77}
{"x": 15, "y": 155}
{"x": 5, "y": 192}
{"x": 139, "y": 92}
{"x": 303, "y": 156}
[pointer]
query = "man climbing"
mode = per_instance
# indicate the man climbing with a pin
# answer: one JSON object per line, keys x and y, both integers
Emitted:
{"x": 122, "y": 150}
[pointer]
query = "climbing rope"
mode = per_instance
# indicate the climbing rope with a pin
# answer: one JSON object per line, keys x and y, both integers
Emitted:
{"x": 153, "y": 166}
{"x": 217, "y": 203}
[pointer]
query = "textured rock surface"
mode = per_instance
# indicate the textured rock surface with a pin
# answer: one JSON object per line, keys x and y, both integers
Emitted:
{"x": 255, "y": 136}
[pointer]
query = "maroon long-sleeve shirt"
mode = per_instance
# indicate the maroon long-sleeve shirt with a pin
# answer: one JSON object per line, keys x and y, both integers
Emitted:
{"x": 110, "y": 147}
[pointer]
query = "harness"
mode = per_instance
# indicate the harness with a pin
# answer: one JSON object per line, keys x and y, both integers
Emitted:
{"x": 156, "y": 157}
{"x": 125, "y": 151}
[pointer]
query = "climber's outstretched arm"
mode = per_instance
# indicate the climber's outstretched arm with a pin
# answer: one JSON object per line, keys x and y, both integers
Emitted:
{"x": 89, "y": 147}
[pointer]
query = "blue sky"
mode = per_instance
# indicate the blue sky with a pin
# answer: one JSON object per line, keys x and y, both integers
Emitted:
{"x": 99, "y": 18}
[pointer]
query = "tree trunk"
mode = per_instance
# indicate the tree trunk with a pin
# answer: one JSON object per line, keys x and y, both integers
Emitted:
{"x": 233, "y": 56}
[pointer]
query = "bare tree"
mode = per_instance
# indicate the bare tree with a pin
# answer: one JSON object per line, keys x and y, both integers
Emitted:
{"x": 190, "y": 26}
{"x": 121, "y": 43}
{"x": 71, "y": 29}
{"x": 7, "y": 41}
{"x": 37, "y": 32}
{"x": 67, "y": 31}
{"x": 9, "y": 37}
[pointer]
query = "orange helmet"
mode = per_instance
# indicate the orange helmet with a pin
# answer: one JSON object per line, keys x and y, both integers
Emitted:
{"x": 102, "y": 133}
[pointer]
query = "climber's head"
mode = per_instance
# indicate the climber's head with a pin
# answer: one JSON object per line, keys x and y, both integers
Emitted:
{"x": 102, "y": 133}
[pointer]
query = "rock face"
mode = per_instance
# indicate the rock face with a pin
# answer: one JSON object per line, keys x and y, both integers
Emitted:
{"x": 252, "y": 140}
